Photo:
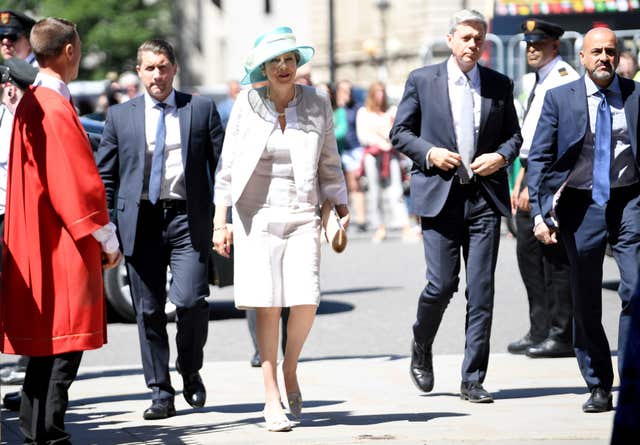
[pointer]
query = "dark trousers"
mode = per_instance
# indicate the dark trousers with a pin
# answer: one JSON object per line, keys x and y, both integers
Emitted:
{"x": 45, "y": 396}
{"x": 545, "y": 273}
{"x": 626, "y": 427}
{"x": 585, "y": 228}
{"x": 163, "y": 240}
{"x": 466, "y": 222}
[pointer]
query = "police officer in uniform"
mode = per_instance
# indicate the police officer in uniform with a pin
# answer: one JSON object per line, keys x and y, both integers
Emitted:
{"x": 14, "y": 36}
{"x": 544, "y": 268}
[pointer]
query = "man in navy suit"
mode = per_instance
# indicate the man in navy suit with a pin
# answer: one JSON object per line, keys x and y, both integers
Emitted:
{"x": 157, "y": 159}
{"x": 583, "y": 183}
{"x": 458, "y": 124}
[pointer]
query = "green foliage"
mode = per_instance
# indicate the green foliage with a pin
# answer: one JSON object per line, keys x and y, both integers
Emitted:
{"x": 110, "y": 30}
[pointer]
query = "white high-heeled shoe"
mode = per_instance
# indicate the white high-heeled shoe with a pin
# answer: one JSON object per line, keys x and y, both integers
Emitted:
{"x": 277, "y": 422}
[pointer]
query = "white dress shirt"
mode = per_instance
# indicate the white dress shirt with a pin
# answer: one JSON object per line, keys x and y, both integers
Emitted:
{"x": 623, "y": 171}
{"x": 456, "y": 80}
{"x": 105, "y": 235}
{"x": 172, "y": 185}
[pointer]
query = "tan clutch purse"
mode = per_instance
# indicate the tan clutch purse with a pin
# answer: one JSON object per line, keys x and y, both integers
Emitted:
{"x": 333, "y": 230}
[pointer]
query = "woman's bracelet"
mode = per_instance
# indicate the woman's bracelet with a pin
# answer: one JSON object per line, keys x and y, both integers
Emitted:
{"x": 215, "y": 229}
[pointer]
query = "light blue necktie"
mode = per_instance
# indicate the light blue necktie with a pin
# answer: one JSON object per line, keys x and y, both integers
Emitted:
{"x": 602, "y": 153}
{"x": 157, "y": 162}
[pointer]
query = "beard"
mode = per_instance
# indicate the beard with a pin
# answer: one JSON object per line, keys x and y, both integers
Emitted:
{"x": 601, "y": 74}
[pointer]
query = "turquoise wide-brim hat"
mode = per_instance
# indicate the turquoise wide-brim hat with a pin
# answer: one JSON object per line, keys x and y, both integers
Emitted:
{"x": 269, "y": 45}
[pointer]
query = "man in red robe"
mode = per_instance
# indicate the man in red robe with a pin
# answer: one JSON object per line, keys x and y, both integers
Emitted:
{"x": 58, "y": 238}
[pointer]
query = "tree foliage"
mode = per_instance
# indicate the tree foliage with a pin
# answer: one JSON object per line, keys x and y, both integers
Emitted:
{"x": 110, "y": 30}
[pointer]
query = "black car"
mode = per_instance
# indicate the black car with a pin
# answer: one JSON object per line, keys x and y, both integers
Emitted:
{"x": 116, "y": 281}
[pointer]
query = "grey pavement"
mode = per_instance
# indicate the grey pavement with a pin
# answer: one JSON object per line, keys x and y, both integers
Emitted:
{"x": 348, "y": 401}
{"x": 354, "y": 370}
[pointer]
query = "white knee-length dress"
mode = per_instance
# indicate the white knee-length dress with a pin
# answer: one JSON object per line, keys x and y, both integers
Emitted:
{"x": 275, "y": 182}
{"x": 283, "y": 238}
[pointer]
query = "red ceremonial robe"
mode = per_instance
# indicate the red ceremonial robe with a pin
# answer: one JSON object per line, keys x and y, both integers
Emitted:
{"x": 52, "y": 298}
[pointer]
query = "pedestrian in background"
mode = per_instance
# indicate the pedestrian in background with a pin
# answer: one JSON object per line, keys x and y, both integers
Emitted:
{"x": 544, "y": 268}
{"x": 224, "y": 108}
{"x": 584, "y": 183}
{"x": 458, "y": 124}
{"x": 351, "y": 154}
{"x": 381, "y": 164}
{"x": 157, "y": 158}
{"x": 279, "y": 164}
{"x": 627, "y": 66}
{"x": 57, "y": 238}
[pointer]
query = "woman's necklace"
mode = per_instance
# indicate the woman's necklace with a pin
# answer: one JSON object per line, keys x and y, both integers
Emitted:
{"x": 274, "y": 111}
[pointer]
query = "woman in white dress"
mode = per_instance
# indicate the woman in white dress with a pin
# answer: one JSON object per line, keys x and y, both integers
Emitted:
{"x": 279, "y": 163}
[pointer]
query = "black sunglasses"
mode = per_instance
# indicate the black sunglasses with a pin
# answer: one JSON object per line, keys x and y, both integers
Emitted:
{"x": 9, "y": 36}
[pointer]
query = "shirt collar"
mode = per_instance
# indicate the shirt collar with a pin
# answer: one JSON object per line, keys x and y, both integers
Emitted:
{"x": 592, "y": 88}
{"x": 456, "y": 75}
{"x": 53, "y": 83}
{"x": 150, "y": 102}
{"x": 545, "y": 70}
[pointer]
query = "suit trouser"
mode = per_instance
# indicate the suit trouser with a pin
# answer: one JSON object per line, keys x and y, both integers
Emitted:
{"x": 45, "y": 396}
{"x": 467, "y": 221}
{"x": 585, "y": 228}
{"x": 545, "y": 273}
{"x": 626, "y": 427}
{"x": 162, "y": 239}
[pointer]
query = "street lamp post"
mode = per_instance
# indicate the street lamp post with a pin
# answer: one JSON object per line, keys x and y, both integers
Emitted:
{"x": 332, "y": 44}
{"x": 383, "y": 6}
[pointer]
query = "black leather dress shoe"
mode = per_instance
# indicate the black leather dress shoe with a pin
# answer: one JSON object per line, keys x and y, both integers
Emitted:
{"x": 194, "y": 391}
{"x": 421, "y": 368}
{"x": 160, "y": 409}
{"x": 520, "y": 346}
{"x": 598, "y": 402}
{"x": 12, "y": 400}
{"x": 474, "y": 392}
{"x": 550, "y": 348}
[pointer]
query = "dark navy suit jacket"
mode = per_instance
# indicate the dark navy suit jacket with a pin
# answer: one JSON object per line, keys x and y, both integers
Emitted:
{"x": 559, "y": 138}
{"x": 121, "y": 158}
{"x": 424, "y": 120}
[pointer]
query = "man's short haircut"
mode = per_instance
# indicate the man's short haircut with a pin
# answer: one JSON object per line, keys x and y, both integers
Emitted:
{"x": 157, "y": 46}
{"x": 49, "y": 37}
{"x": 467, "y": 16}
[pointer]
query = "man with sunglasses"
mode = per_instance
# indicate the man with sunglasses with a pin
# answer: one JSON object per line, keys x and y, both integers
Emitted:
{"x": 14, "y": 36}
{"x": 544, "y": 268}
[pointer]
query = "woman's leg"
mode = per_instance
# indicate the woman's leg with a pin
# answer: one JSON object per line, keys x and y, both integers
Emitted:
{"x": 300, "y": 322}
{"x": 373, "y": 197}
{"x": 357, "y": 197}
{"x": 267, "y": 324}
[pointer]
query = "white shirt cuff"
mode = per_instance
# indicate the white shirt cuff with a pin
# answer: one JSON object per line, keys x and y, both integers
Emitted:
{"x": 106, "y": 236}
{"x": 537, "y": 220}
{"x": 426, "y": 159}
